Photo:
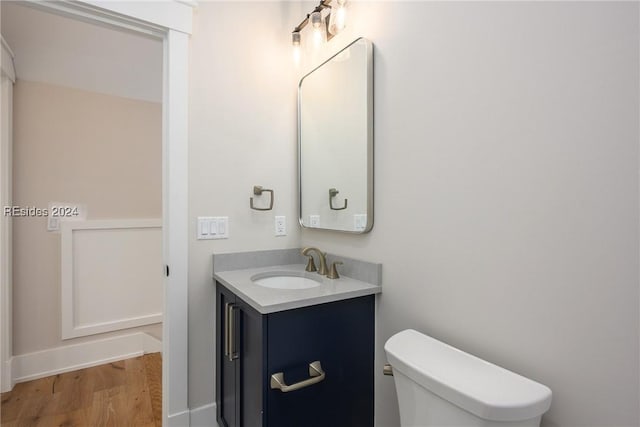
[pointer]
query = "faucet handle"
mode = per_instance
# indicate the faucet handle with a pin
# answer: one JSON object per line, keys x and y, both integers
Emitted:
{"x": 333, "y": 273}
{"x": 311, "y": 266}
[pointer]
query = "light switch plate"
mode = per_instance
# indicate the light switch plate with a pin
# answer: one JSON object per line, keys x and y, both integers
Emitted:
{"x": 59, "y": 212}
{"x": 213, "y": 227}
{"x": 53, "y": 223}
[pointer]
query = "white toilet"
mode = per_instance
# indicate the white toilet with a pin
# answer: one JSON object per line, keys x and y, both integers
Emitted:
{"x": 439, "y": 385}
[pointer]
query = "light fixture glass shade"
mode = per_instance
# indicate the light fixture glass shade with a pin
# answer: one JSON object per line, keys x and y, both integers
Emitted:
{"x": 338, "y": 17}
{"x": 295, "y": 41}
{"x": 318, "y": 30}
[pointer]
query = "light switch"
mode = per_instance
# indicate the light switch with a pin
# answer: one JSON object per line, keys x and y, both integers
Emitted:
{"x": 213, "y": 227}
{"x": 53, "y": 223}
{"x": 205, "y": 227}
{"x": 223, "y": 227}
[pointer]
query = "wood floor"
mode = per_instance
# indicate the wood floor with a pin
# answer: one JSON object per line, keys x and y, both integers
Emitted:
{"x": 119, "y": 394}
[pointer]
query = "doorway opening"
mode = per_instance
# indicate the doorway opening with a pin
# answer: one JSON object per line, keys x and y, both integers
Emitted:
{"x": 89, "y": 313}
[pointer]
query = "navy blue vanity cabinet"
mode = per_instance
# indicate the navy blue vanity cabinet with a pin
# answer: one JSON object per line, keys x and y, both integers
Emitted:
{"x": 253, "y": 346}
{"x": 239, "y": 361}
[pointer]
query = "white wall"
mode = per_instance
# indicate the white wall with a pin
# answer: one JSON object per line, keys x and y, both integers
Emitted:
{"x": 69, "y": 52}
{"x": 242, "y": 133}
{"x": 518, "y": 121}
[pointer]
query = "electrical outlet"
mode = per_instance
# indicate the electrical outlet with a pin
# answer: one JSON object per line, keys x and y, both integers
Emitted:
{"x": 359, "y": 222}
{"x": 314, "y": 221}
{"x": 281, "y": 226}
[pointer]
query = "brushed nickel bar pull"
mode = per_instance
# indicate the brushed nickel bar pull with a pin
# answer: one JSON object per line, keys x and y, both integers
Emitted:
{"x": 387, "y": 370}
{"x": 315, "y": 372}
{"x": 227, "y": 335}
{"x": 233, "y": 354}
{"x": 257, "y": 191}
{"x": 229, "y": 343}
{"x": 333, "y": 193}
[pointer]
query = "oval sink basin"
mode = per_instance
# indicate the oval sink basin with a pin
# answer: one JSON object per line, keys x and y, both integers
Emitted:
{"x": 285, "y": 280}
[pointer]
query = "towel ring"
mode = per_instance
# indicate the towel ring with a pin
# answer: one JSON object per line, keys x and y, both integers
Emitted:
{"x": 333, "y": 193}
{"x": 258, "y": 190}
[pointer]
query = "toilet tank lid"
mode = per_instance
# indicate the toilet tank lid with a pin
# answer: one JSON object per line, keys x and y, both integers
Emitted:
{"x": 482, "y": 388}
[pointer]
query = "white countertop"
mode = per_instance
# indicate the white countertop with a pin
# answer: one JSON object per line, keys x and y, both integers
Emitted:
{"x": 268, "y": 300}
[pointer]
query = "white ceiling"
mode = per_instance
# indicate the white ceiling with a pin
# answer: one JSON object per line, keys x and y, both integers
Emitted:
{"x": 59, "y": 50}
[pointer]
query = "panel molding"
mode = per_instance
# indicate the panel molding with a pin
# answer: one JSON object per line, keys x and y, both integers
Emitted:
{"x": 40, "y": 364}
{"x": 69, "y": 326}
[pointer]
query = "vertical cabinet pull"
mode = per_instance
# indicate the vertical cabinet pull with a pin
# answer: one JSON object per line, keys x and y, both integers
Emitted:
{"x": 230, "y": 330}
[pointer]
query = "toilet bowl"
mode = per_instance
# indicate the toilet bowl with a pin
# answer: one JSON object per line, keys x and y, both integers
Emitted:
{"x": 439, "y": 385}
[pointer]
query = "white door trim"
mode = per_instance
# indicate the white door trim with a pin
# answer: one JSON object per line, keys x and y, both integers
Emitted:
{"x": 170, "y": 21}
{"x": 6, "y": 159}
{"x": 175, "y": 229}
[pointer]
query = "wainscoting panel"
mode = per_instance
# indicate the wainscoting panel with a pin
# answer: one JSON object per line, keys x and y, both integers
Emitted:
{"x": 111, "y": 275}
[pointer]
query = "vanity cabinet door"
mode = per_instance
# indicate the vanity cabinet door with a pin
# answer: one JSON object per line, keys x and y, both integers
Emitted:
{"x": 228, "y": 364}
{"x": 341, "y": 336}
{"x": 252, "y": 361}
{"x": 240, "y": 385}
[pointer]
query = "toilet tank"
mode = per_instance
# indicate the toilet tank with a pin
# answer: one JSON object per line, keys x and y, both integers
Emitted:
{"x": 434, "y": 379}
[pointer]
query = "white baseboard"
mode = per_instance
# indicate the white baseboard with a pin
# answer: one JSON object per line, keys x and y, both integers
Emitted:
{"x": 204, "y": 416}
{"x": 6, "y": 376}
{"x": 150, "y": 344}
{"x": 68, "y": 358}
{"x": 180, "y": 419}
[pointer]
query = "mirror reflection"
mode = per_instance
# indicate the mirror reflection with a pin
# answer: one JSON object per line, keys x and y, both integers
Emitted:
{"x": 335, "y": 141}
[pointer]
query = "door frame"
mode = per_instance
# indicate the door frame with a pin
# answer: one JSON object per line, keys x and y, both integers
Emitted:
{"x": 169, "y": 21}
{"x": 6, "y": 160}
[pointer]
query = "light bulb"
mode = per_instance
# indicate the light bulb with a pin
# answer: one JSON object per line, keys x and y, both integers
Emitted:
{"x": 338, "y": 18}
{"x": 316, "y": 20}
{"x": 295, "y": 40}
{"x": 318, "y": 29}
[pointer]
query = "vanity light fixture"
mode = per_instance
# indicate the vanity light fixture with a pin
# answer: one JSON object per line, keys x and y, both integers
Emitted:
{"x": 323, "y": 27}
{"x": 338, "y": 17}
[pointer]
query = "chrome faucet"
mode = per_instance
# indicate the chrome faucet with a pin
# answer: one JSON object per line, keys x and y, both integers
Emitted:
{"x": 321, "y": 258}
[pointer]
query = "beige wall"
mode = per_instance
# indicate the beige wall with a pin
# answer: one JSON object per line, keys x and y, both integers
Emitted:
{"x": 82, "y": 147}
{"x": 519, "y": 123}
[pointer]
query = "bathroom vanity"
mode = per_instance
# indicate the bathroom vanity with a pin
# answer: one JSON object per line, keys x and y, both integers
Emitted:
{"x": 294, "y": 357}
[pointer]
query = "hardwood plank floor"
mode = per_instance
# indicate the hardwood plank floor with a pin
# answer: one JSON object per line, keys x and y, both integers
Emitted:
{"x": 119, "y": 394}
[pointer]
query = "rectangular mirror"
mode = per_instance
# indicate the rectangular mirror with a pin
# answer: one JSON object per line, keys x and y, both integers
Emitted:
{"x": 335, "y": 141}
